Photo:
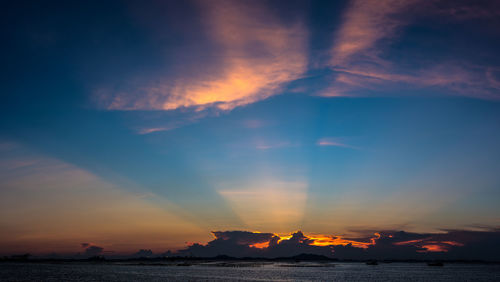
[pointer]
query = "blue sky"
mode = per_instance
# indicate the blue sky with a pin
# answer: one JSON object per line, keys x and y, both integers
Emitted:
{"x": 267, "y": 116}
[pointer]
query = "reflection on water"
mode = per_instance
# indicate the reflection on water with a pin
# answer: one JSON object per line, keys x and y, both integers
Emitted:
{"x": 251, "y": 272}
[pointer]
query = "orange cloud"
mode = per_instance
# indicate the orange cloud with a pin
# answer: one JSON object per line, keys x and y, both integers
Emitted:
{"x": 328, "y": 240}
{"x": 434, "y": 248}
{"x": 258, "y": 55}
{"x": 321, "y": 240}
{"x": 260, "y": 245}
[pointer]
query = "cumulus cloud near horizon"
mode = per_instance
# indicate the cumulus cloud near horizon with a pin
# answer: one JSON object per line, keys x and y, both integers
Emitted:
{"x": 389, "y": 244}
{"x": 479, "y": 244}
{"x": 92, "y": 250}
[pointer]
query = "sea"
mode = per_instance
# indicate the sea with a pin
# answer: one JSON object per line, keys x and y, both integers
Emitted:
{"x": 249, "y": 272}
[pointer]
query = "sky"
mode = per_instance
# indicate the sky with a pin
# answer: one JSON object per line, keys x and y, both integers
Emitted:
{"x": 348, "y": 128}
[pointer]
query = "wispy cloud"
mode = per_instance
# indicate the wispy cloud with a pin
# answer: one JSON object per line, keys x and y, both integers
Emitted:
{"x": 154, "y": 129}
{"x": 355, "y": 55}
{"x": 265, "y": 145}
{"x": 332, "y": 141}
{"x": 368, "y": 29}
{"x": 257, "y": 54}
{"x": 365, "y": 24}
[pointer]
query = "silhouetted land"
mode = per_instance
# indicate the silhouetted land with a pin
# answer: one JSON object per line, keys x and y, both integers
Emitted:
{"x": 221, "y": 260}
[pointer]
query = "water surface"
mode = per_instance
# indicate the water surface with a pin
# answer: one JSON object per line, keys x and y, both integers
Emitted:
{"x": 263, "y": 272}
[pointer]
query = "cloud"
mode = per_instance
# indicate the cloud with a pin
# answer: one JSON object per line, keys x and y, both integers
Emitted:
{"x": 359, "y": 54}
{"x": 160, "y": 121}
{"x": 154, "y": 129}
{"x": 449, "y": 76}
{"x": 243, "y": 237}
{"x": 242, "y": 244}
{"x": 92, "y": 250}
{"x": 232, "y": 243}
{"x": 331, "y": 141}
{"x": 257, "y": 54}
{"x": 265, "y": 145}
{"x": 451, "y": 244}
{"x": 365, "y": 23}
{"x": 355, "y": 55}
{"x": 143, "y": 253}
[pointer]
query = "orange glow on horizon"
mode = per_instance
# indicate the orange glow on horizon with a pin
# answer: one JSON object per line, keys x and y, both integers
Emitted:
{"x": 286, "y": 236}
{"x": 335, "y": 241}
{"x": 434, "y": 248}
{"x": 330, "y": 240}
{"x": 263, "y": 245}
{"x": 326, "y": 240}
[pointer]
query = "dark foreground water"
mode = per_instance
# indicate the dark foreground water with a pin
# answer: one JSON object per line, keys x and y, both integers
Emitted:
{"x": 266, "y": 272}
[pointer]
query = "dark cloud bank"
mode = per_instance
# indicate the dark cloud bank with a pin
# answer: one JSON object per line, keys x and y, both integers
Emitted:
{"x": 91, "y": 250}
{"x": 449, "y": 245}
{"x": 483, "y": 245}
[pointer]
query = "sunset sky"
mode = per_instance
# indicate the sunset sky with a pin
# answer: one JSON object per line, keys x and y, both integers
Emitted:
{"x": 130, "y": 125}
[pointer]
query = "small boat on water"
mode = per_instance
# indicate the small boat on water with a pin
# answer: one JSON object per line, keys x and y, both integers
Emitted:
{"x": 435, "y": 263}
{"x": 372, "y": 262}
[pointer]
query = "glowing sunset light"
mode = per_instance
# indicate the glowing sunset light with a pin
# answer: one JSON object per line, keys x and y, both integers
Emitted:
{"x": 351, "y": 129}
{"x": 260, "y": 245}
{"x": 408, "y": 242}
{"x": 319, "y": 240}
{"x": 434, "y": 248}
{"x": 337, "y": 240}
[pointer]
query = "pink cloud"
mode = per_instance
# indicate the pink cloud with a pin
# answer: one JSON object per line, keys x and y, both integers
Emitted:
{"x": 153, "y": 130}
{"x": 336, "y": 142}
{"x": 452, "y": 77}
{"x": 365, "y": 23}
{"x": 369, "y": 26}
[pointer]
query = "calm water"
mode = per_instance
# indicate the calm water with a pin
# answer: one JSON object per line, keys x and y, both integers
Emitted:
{"x": 276, "y": 272}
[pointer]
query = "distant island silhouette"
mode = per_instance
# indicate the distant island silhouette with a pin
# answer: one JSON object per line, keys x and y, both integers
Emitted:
{"x": 225, "y": 260}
